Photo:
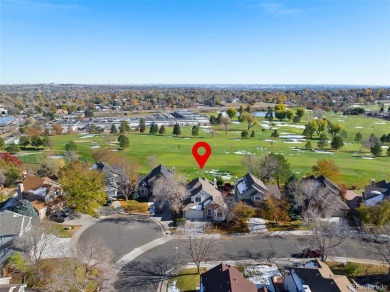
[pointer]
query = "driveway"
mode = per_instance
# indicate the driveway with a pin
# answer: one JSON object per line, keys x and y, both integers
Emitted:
{"x": 121, "y": 234}
{"x": 256, "y": 225}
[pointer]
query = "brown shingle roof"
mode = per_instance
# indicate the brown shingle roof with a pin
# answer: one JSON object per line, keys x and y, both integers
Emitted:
{"x": 225, "y": 278}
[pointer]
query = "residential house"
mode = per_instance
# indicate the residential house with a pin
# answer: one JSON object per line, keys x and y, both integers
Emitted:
{"x": 13, "y": 225}
{"x": 225, "y": 278}
{"x": 5, "y": 286}
{"x": 315, "y": 276}
{"x": 252, "y": 190}
{"x": 44, "y": 194}
{"x": 145, "y": 186}
{"x": 376, "y": 192}
{"x": 114, "y": 178}
{"x": 204, "y": 201}
{"x": 323, "y": 182}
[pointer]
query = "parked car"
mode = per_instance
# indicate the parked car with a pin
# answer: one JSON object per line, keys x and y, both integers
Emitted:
{"x": 152, "y": 210}
{"x": 57, "y": 217}
{"x": 311, "y": 253}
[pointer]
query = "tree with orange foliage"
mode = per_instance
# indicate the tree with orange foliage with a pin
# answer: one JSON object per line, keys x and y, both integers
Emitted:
{"x": 276, "y": 209}
{"x": 328, "y": 168}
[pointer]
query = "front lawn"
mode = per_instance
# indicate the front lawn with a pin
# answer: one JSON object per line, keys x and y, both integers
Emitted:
{"x": 229, "y": 228}
{"x": 187, "y": 279}
{"x": 285, "y": 226}
{"x": 133, "y": 206}
{"x": 64, "y": 230}
{"x": 361, "y": 269}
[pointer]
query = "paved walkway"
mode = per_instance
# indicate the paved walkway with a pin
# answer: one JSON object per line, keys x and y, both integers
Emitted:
{"x": 256, "y": 225}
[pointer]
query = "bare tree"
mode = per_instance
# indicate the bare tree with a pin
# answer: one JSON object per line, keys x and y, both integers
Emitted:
{"x": 326, "y": 233}
{"x": 199, "y": 247}
{"x": 108, "y": 138}
{"x": 250, "y": 161}
{"x": 82, "y": 268}
{"x": 171, "y": 190}
{"x": 226, "y": 121}
{"x": 37, "y": 242}
{"x": 230, "y": 207}
{"x": 152, "y": 161}
{"x": 128, "y": 177}
{"x": 317, "y": 199}
{"x": 377, "y": 239}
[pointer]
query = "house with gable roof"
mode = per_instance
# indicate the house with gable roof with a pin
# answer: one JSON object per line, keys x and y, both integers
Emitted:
{"x": 13, "y": 225}
{"x": 323, "y": 182}
{"x": 44, "y": 194}
{"x": 114, "y": 176}
{"x": 145, "y": 186}
{"x": 204, "y": 201}
{"x": 252, "y": 190}
{"x": 376, "y": 192}
{"x": 316, "y": 276}
{"x": 224, "y": 278}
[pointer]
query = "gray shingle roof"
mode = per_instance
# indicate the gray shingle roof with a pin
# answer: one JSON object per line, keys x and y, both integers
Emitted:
{"x": 12, "y": 223}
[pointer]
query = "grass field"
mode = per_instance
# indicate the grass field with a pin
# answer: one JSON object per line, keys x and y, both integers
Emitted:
{"x": 228, "y": 150}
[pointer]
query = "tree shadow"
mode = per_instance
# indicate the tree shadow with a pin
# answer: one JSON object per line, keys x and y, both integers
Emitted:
{"x": 145, "y": 276}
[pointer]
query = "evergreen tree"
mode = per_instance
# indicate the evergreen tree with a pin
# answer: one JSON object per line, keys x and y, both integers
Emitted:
{"x": 176, "y": 130}
{"x": 358, "y": 137}
{"x": 123, "y": 141}
{"x": 195, "y": 131}
{"x": 162, "y": 130}
{"x": 124, "y": 127}
{"x": 244, "y": 134}
{"x": 337, "y": 142}
{"x": 376, "y": 150}
{"x": 323, "y": 141}
{"x": 308, "y": 146}
{"x": 296, "y": 119}
{"x": 253, "y": 134}
{"x": 71, "y": 146}
{"x": 218, "y": 120}
{"x": 142, "y": 126}
{"x": 113, "y": 129}
{"x": 24, "y": 207}
{"x": 275, "y": 134}
{"x": 153, "y": 128}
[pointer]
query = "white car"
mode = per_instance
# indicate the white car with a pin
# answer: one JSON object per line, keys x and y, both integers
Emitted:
{"x": 152, "y": 210}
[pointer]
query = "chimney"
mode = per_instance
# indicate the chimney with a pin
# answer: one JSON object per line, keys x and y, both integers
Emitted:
{"x": 215, "y": 183}
{"x": 373, "y": 182}
{"x": 173, "y": 170}
{"x": 20, "y": 190}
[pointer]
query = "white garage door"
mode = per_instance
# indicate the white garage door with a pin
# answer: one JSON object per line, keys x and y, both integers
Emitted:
{"x": 191, "y": 215}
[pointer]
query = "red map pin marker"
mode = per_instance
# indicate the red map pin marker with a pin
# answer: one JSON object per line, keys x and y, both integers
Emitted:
{"x": 201, "y": 159}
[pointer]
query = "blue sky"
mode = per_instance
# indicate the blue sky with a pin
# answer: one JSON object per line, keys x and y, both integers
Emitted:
{"x": 173, "y": 42}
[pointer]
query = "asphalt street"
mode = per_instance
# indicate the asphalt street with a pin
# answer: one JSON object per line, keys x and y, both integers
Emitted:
{"x": 122, "y": 234}
{"x": 146, "y": 271}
